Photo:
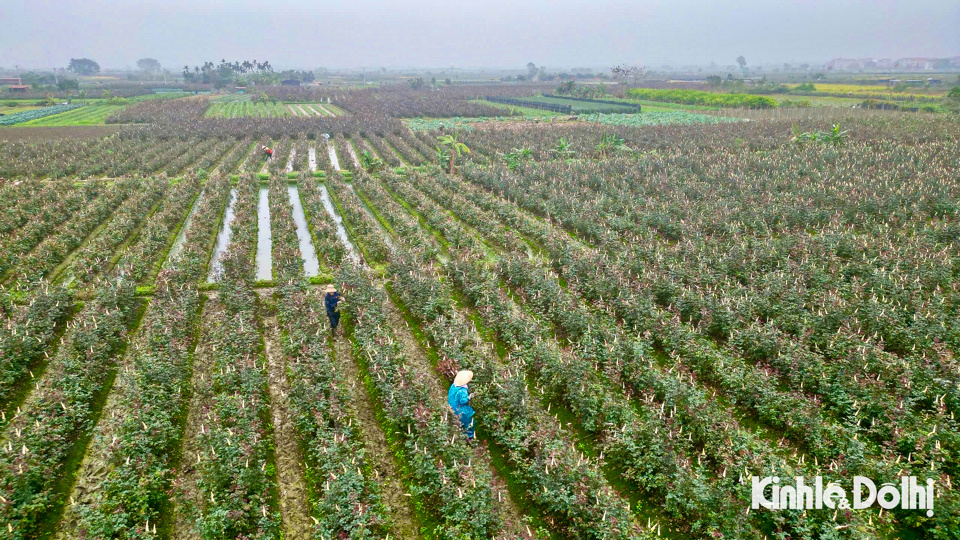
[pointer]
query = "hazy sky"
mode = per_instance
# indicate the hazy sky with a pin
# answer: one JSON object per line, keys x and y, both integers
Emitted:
{"x": 491, "y": 33}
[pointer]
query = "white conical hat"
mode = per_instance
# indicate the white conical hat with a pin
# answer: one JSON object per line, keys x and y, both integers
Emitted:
{"x": 463, "y": 378}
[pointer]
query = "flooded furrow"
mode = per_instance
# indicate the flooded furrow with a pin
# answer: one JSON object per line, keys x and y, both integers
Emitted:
{"x": 333, "y": 156}
{"x": 177, "y": 246}
{"x": 311, "y": 264}
{"x": 341, "y": 231}
{"x": 223, "y": 240}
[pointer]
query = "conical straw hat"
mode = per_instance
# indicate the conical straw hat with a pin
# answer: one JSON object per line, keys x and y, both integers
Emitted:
{"x": 463, "y": 378}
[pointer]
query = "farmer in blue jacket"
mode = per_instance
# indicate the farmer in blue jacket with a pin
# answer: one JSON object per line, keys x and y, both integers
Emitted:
{"x": 332, "y": 302}
{"x": 459, "y": 400}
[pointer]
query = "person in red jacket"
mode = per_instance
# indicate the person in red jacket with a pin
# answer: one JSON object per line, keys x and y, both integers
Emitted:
{"x": 269, "y": 151}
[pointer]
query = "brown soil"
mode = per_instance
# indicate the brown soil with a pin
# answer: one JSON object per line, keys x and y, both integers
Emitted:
{"x": 384, "y": 467}
{"x": 39, "y": 133}
{"x": 292, "y": 488}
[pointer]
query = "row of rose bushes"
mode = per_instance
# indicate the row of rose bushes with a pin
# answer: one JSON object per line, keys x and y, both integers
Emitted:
{"x": 125, "y": 154}
{"x": 56, "y": 418}
{"x": 450, "y": 485}
{"x": 95, "y": 257}
{"x": 151, "y": 398}
{"x": 644, "y": 440}
{"x": 22, "y": 201}
{"x": 139, "y": 261}
{"x": 235, "y": 492}
{"x": 27, "y": 334}
{"x": 345, "y": 494}
{"x": 891, "y": 395}
{"x": 717, "y": 368}
{"x": 36, "y": 264}
{"x": 46, "y": 219}
{"x": 569, "y": 489}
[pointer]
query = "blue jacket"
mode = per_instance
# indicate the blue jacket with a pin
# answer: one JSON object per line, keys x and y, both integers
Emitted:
{"x": 459, "y": 401}
{"x": 331, "y": 300}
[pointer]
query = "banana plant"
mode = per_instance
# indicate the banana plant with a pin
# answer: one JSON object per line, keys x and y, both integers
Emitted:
{"x": 563, "y": 149}
{"x": 369, "y": 162}
{"x": 453, "y": 146}
{"x": 611, "y": 143}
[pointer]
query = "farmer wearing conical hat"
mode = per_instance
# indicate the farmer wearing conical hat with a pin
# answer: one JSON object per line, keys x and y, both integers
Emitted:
{"x": 459, "y": 400}
{"x": 331, "y": 300}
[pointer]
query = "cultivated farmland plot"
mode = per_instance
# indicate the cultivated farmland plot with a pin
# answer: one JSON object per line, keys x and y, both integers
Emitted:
{"x": 657, "y": 307}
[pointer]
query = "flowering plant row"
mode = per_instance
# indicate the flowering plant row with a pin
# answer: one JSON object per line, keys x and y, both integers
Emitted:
{"x": 571, "y": 490}
{"x": 47, "y": 219}
{"x": 144, "y": 437}
{"x": 236, "y": 489}
{"x": 915, "y": 441}
{"x": 346, "y": 494}
{"x": 664, "y": 466}
{"x": 56, "y": 247}
{"x": 95, "y": 256}
{"x": 58, "y": 415}
{"x": 142, "y": 259}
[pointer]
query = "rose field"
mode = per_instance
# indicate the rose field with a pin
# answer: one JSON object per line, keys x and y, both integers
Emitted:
{"x": 657, "y": 306}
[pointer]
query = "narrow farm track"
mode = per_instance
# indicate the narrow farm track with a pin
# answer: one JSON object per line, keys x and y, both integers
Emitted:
{"x": 415, "y": 375}
{"x": 293, "y": 110}
{"x": 294, "y": 497}
{"x": 95, "y": 464}
{"x": 385, "y": 468}
{"x": 332, "y": 152}
{"x": 187, "y": 494}
{"x": 290, "y": 160}
{"x": 352, "y": 152}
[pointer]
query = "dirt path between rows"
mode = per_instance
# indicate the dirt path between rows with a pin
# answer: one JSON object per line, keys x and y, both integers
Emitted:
{"x": 379, "y": 454}
{"x": 293, "y": 110}
{"x": 352, "y": 152}
{"x": 292, "y": 488}
{"x": 185, "y": 480}
{"x": 95, "y": 464}
{"x": 508, "y": 510}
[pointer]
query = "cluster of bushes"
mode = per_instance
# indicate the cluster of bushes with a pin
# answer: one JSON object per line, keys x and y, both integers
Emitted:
{"x": 894, "y": 106}
{"x": 697, "y": 97}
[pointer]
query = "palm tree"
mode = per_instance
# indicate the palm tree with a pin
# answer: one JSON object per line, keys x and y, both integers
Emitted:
{"x": 455, "y": 147}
